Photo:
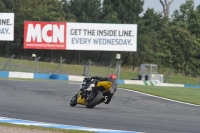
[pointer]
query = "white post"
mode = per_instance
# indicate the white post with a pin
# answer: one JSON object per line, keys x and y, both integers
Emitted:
{"x": 118, "y": 57}
{"x": 36, "y": 62}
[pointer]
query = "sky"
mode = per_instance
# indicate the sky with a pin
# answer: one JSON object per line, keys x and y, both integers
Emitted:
{"x": 158, "y": 7}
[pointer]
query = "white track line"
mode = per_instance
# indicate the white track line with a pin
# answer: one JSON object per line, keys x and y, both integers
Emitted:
{"x": 160, "y": 97}
{"x": 59, "y": 126}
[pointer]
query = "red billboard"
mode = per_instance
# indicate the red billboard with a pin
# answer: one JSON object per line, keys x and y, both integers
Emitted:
{"x": 80, "y": 36}
{"x": 45, "y": 35}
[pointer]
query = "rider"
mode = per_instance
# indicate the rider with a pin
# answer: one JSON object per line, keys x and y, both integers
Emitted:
{"x": 108, "y": 95}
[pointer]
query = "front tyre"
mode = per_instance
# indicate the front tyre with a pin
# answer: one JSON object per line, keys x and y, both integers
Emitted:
{"x": 73, "y": 101}
{"x": 94, "y": 99}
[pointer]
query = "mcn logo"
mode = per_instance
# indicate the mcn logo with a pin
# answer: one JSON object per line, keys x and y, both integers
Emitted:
{"x": 45, "y": 35}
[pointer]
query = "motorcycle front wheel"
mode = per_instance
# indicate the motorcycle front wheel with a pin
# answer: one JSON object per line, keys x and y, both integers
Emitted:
{"x": 73, "y": 101}
{"x": 94, "y": 99}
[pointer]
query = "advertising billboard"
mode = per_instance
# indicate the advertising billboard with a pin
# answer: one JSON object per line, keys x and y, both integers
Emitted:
{"x": 80, "y": 36}
{"x": 45, "y": 35}
{"x": 6, "y": 26}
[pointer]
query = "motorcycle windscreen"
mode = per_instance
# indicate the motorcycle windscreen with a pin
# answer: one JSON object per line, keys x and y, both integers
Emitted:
{"x": 105, "y": 84}
{"x": 81, "y": 100}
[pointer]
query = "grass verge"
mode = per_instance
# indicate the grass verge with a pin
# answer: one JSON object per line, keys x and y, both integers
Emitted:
{"x": 189, "y": 95}
{"x": 126, "y": 73}
{"x": 43, "y": 128}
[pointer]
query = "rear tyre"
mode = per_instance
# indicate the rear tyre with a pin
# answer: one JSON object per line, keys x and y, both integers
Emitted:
{"x": 73, "y": 101}
{"x": 95, "y": 99}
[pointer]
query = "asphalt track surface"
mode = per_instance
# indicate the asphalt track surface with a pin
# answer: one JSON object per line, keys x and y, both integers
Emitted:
{"x": 48, "y": 101}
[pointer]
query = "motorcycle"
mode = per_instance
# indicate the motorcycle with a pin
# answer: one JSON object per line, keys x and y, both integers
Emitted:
{"x": 91, "y": 93}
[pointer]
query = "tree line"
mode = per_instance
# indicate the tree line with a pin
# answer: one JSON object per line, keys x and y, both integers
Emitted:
{"x": 169, "y": 41}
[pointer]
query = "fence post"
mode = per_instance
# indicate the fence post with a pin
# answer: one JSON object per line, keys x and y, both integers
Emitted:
{"x": 199, "y": 79}
{"x": 168, "y": 76}
{"x": 85, "y": 71}
{"x": 37, "y": 64}
{"x": 61, "y": 61}
{"x": 58, "y": 66}
{"x": 11, "y": 62}
{"x": 109, "y": 68}
{"x": 89, "y": 67}
{"x": 118, "y": 69}
{"x": 7, "y": 63}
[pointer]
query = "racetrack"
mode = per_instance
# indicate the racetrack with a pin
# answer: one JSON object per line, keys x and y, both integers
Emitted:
{"x": 48, "y": 101}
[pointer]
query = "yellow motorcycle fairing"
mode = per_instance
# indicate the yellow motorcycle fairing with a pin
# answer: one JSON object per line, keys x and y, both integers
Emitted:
{"x": 105, "y": 84}
{"x": 81, "y": 100}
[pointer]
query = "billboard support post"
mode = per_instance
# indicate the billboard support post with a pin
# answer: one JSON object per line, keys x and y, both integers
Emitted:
{"x": 118, "y": 57}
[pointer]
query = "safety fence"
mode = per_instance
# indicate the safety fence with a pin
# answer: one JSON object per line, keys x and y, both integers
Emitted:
{"x": 34, "y": 64}
{"x": 25, "y": 75}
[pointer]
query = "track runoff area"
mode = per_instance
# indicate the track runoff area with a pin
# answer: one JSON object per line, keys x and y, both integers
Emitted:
{"x": 69, "y": 36}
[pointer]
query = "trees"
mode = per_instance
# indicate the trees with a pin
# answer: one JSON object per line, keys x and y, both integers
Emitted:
{"x": 86, "y": 10}
{"x": 179, "y": 39}
{"x": 166, "y": 6}
{"x": 169, "y": 42}
{"x": 124, "y": 12}
{"x": 128, "y": 10}
{"x": 109, "y": 15}
{"x": 37, "y": 10}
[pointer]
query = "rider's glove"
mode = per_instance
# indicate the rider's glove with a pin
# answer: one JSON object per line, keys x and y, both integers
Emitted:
{"x": 90, "y": 87}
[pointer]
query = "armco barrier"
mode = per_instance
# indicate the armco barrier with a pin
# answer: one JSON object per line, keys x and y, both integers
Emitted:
{"x": 59, "y": 77}
{"x": 170, "y": 85}
{"x": 140, "y": 82}
{"x": 191, "y": 86}
{"x": 120, "y": 81}
{"x": 21, "y": 75}
{"x": 41, "y": 76}
{"x": 75, "y": 78}
{"x": 5, "y": 74}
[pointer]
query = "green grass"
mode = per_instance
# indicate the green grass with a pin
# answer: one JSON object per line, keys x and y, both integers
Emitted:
{"x": 44, "y": 128}
{"x": 189, "y": 95}
{"x": 71, "y": 69}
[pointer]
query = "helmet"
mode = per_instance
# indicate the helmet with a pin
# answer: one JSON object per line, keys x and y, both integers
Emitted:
{"x": 112, "y": 76}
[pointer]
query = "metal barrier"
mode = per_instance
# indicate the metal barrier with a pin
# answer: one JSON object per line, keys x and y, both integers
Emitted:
{"x": 35, "y": 64}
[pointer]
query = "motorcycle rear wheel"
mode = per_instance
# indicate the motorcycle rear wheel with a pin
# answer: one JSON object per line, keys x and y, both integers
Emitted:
{"x": 73, "y": 101}
{"x": 96, "y": 99}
